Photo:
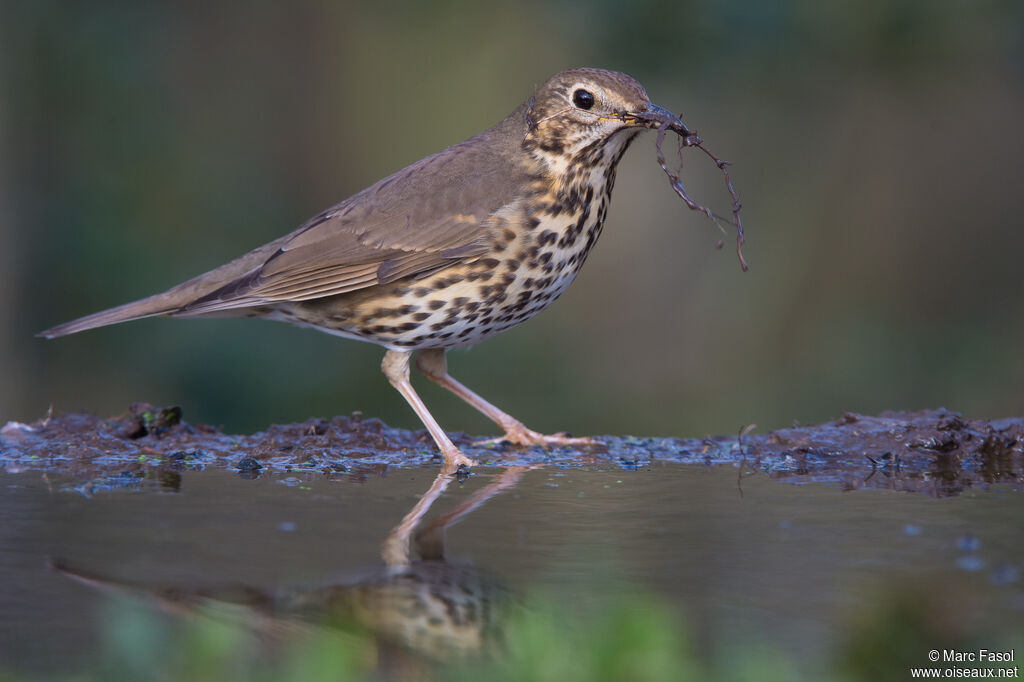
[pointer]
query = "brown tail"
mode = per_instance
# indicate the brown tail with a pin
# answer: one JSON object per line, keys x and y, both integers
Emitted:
{"x": 136, "y": 310}
{"x": 176, "y": 300}
{"x": 173, "y": 300}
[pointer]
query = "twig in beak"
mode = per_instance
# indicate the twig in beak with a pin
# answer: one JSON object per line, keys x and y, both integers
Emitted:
{"x": 690, "y": 139}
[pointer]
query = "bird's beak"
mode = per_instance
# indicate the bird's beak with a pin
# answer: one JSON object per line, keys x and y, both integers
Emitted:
{"x": 653, "y": 116}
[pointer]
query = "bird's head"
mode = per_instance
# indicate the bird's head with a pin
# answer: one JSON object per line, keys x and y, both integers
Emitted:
{"x": 591, "y": 111}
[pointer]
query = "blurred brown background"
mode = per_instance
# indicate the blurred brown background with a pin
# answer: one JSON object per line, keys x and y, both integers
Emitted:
{"x": 877, "y": 149}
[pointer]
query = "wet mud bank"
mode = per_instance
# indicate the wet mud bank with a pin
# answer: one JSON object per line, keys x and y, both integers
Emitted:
{"x": 936, "y": 452}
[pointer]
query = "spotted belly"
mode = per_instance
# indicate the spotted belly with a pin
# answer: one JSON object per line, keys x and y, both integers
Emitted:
{"x": 538, "y": 247}
{"x": 465, "y": 303}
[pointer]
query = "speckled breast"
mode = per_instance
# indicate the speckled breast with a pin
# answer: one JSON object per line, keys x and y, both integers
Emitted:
{"x": 540, "y": 243}
{"x": 535, "y": 257}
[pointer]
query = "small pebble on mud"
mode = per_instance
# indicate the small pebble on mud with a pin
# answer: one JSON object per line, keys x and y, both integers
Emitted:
{"x": 248, "y": 464}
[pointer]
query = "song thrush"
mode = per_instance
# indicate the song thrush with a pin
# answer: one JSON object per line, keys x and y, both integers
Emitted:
{"x": 457, "y": 247}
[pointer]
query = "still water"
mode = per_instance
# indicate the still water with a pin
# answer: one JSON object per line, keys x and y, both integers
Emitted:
{"x": 741, "y": 560}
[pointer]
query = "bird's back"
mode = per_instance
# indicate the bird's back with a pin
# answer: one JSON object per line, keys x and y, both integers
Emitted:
{"x": 429, "y": 215}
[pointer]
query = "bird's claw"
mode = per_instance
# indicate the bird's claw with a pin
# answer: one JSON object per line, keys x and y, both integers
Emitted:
{"x": 456, "y": 462}
{"x": 520, "y": 435}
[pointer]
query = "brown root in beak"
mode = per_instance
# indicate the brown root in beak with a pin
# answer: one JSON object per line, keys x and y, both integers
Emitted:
{"x": 663, "y": 121}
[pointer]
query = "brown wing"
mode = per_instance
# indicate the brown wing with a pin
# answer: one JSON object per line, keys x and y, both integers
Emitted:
{"x": 426, "y": 217}
{"x": 433, "y": 214}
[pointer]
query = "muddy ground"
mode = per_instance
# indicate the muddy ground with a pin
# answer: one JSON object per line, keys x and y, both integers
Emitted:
{"x": 936, "y": 452}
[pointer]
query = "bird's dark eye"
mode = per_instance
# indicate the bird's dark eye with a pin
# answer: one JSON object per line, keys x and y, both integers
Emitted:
{"x": 584, "y": 99}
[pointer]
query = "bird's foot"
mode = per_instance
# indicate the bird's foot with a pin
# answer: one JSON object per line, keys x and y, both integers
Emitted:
{"x": 517, "y": 434}
{"x": 455, "y": 461}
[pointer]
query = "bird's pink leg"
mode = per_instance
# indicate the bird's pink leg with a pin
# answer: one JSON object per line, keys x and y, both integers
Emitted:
{"x": 396, "y": 369}
{"x": 433, "y": 364}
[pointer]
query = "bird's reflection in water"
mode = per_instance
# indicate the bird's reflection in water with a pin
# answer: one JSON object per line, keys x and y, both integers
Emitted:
{"x": 422, "y": 606}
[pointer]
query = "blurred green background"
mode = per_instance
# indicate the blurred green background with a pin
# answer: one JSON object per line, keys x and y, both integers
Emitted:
{"x": 877, "y": 149}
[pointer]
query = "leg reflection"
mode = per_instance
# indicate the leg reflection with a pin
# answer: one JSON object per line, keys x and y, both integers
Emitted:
{"x": 424, "y": 606}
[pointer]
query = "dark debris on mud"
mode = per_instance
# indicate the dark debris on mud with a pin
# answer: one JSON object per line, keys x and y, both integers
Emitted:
{"x": 936, "y": 452}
